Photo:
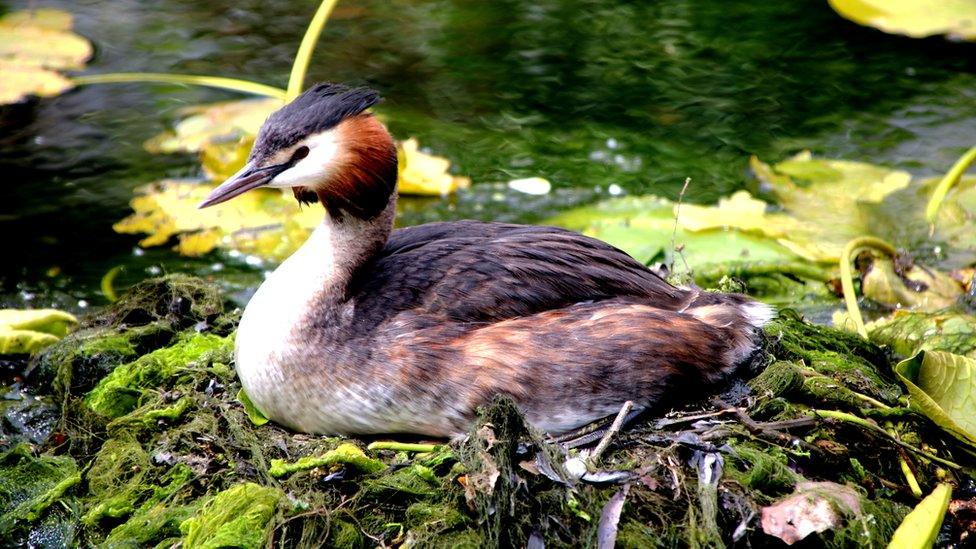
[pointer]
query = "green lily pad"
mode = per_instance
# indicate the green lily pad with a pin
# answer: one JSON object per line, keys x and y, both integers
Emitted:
{"x": 943, "y": 387}
{"x": 915, "y": 18}
{"x": 921, "y": 526}
{"x": 34, "y": 45}
{"x": 644, "y": 227}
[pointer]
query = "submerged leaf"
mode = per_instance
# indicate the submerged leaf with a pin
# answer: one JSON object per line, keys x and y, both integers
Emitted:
{"x": 915, "y": 18}
{"x": 921, "y": 526}
{"x": 33, "y": 46}
{"x": 943, "y": 387}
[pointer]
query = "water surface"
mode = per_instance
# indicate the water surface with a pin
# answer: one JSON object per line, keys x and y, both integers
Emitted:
{"x": 631, "y": 97}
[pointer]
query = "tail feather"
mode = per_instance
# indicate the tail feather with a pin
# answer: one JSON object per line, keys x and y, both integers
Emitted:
{"x": 739, "y": 316}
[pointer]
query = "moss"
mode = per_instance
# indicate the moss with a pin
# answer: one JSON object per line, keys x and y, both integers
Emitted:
{"x": 237, "y": 517}
{"x": 30, "y": 484}
{"x": 843, "y": 356}
{"x": 779, "y": 378}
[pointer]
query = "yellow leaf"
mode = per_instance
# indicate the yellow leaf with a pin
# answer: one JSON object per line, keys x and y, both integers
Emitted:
{"x": 921, "y": 526}
{"x": 263, "y": 222}
{"x": 425, "y": 174}
{"x": 28, "y": 331}
{"x": 915, "y": 18}
{"x": 32, "y": 46}
{"x": 927, "y": 290}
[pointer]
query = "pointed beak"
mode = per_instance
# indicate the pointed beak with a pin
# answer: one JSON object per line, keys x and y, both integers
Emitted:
{"x": 249, "y": 177}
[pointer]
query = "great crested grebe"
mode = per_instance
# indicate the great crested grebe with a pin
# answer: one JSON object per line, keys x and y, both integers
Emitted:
{"x": 368, "y": 330}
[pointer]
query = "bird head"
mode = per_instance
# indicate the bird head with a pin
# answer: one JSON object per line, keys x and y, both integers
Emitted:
{"x": 325, "y": 147}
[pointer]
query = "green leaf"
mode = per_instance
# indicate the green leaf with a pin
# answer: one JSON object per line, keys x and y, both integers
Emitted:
{"x": 943, "y": 387}
{"x": 921, "y": 526}
{"x": 252, "y": 411}
{"x": 644, "y": 226}
{"x": 908, "y": 332}
{"x": 915, "y": 18}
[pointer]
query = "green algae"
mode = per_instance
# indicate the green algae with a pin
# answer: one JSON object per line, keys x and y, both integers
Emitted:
{"x": 123, "y": 390}
{"x": 239, "y": 516}
{"x": 344, "y": 454}
{"x": 30, "y": 484}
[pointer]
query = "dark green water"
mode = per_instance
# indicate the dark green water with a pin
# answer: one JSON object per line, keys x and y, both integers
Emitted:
{"x": 587, "y": 94}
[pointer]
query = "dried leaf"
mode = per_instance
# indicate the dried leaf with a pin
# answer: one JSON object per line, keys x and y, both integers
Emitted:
{"x": 813, "y": 507}
{"x": 606, "y": 532}
{"x": 918, "y": 288}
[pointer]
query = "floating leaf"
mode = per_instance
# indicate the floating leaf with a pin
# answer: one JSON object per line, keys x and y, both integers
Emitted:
{"x": 28, "y": 331}
{"x": 33, "y": 46}
{"x": 214, "y": 123}
{"x": 425, "y": 174}
{"x": 921, "y": 526}
{"x": 644, "y": 227}
{"x": 918, "y": 288}
{"x": 263, "y": 222}
{"x": 915, "y": 18}
{"x": 943, "y": 387}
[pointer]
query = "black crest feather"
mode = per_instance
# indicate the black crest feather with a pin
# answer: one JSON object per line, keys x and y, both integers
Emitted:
{"x": 319, "y": 108}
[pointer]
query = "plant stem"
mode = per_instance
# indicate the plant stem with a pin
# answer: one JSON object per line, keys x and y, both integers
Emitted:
{"x": 910, "y": 477}
{"x": 403, "y": 446}
{"x": 847, "y": 278}
{"x": 942, "y": 189}
{"x": 613, "y": 430}
{"x": 859, "y": 421}
{"x": 296, "y": 80}
{"x": 233, "y": 84}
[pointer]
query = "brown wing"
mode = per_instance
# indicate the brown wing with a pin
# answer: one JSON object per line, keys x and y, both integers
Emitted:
{"x": 471, "y": 271}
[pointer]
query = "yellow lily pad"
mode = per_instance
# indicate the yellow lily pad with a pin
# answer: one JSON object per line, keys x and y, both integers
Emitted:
{"x": 214, "y": 123}
{"x": 34, "y": 45}
{"x": 915, "y": 18}
{"x": 425, "y": 174}
{"x": 263, "y": 222}
{"x": 943, "y": 387}
{"x": 28, "y": 331}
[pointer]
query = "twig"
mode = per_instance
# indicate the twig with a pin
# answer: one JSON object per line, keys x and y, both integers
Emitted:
{"x": 613, "y": 430}
{"x": 761, "y": 429}
{"x": 674, "y": 232}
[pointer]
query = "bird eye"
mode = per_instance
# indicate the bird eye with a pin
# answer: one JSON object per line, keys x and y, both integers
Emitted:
{"x": 300, "y": 153}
